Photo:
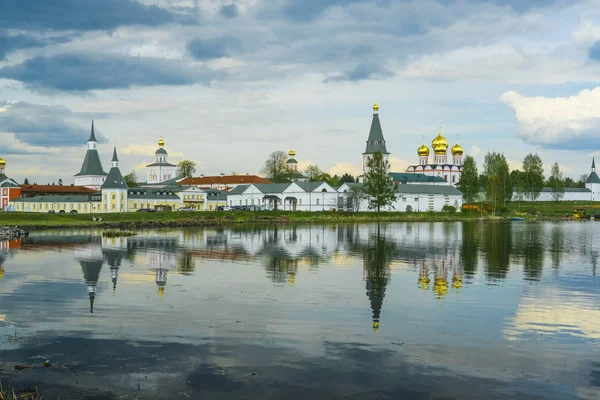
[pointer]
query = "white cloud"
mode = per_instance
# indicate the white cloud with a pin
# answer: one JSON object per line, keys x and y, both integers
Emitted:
{"x": 342, "y": 168}
{"x": 562, "y": 122}
{"x": 398, "y": 165}
{"x": 475, "y": 151}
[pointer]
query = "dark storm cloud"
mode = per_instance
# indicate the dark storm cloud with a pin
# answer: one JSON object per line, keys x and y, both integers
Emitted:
{"x": 82, "y": 15}
{"x": 362, "y": 72}
{"x": 83, "y": 72}
{"x": 10, "y": 43}
{"x": 43, "y": 125}
{"x": 594, "y": 51}
{"x": 228, "y": 10}
{"x": 208, "y": 49}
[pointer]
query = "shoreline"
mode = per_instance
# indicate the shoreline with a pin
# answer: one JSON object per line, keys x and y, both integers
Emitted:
{"x": 202, "y": 219}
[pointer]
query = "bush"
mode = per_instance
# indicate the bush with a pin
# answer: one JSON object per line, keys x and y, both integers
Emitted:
{"x": 408, "y": 208}
{"x": 531, "y": 210}
{"x": 503, "y": 210}
{"x": 449, "y": 209}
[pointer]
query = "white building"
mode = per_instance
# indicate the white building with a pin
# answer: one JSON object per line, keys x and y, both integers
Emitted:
{"x": 593, "y": 183}
{"x": 91, "y": 174}
{"x": 160, "y": 170}
{"x": 295, "y": 196}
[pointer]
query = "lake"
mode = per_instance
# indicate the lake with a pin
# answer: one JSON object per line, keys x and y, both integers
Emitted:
{"x": 390, "y": 311}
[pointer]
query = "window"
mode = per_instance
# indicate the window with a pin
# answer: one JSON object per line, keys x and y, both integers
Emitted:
{"x": 300, "y": 202}
{"x": 210, "y": 208}
{"x": 404, "y": 199}
{"x": 446, "y": 178}
{"x": 134, "y": 206}
{"x": 252, "y": 201}
{"x": 114, "y": 206}
{"x": 416, "y": 199}
{"x": 454, "y": 179}
{"x": 317, "y": 201}
{"x": 246, "y": 201}
{"x": 114, "y": 197}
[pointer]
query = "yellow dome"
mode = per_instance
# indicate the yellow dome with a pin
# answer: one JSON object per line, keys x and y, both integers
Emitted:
{"x": 2, "y": 162}
{"x": 161, "y": 292}
{"x": 375, "y": 107}
{"x": 161, "y": 142}
{"x": 440, "y": 144}
{"x": 457, "y": 150}
{"x": 376, "y": 326}
{"x": 1, "y": 273}
{"x": 423, "y": 151}
{"x": 292, "y": 153}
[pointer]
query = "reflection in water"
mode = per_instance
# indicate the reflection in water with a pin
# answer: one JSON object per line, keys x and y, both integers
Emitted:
{"x": 288, "y": 304}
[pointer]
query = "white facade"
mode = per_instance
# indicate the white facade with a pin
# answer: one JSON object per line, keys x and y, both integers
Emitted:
{"x": 161, "y": 170}
{"x": 90, "y": 181}
{"x": 315, "y": 196}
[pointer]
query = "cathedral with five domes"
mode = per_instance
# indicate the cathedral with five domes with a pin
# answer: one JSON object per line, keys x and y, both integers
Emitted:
{"x": 440, "y": 166}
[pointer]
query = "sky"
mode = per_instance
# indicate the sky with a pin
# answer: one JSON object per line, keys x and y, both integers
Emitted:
{"x": 225, "y": 83}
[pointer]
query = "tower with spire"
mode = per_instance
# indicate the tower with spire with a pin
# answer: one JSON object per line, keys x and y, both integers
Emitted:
{"x": 160, "y": 170}
{"x": 593, "y": 182}
{"x": 375, "y": 142}
{"x": 114, "y": 188}
{"x": 91, "y": 174}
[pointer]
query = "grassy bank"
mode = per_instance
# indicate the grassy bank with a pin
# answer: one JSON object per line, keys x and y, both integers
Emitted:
{"x": 133, "y": 220}
{"x": 551, "y": 208}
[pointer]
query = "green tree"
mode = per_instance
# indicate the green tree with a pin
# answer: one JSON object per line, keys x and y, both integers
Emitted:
{"x": 570, "y": 183}
{"x": 378, "y": 186}
{"x": 26, "y": 181}
{"x": 356, "y": 195}
{"x": 312, "y": 172}
{"x": 131, "y": 179}
{"x": 533, "y": 176}
{"x": 556, "y": 182}
{"x": 276, "y": 169}
{"x": 60, "y": 182}
{"x": 347, "y": 178}
{"x": 186, "y": 169}
{"x": 581, "y": 182}
{"x": 498, "y": 186}
{"x": 469, "y": 180}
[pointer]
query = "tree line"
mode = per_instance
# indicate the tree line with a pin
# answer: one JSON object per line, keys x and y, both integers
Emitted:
{"x": 500, "y": 185}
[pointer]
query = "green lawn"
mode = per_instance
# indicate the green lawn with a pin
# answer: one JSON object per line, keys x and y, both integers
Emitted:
{"x": 555, "y": 208}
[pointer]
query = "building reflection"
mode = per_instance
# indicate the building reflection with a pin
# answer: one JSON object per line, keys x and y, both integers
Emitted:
{"x": 7, "y": 250}
{"x": 91, "y": 259}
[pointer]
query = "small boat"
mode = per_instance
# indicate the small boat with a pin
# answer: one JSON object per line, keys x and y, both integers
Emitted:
{"x": 517, "y": 219}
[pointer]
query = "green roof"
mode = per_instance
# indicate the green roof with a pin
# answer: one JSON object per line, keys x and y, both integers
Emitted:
{"x": 593, "y": 178}
{"x": 271, "y": 187}
{"x": 428, "y": 189}
{"x": 91, "y": 164}
{"x": 114, "y": 179}
{"x": 237, "y": 190}
{"x": 148, "y": 193}
{"x": 161, "y": 164}
{"x": 92, "y": 134}
{"x": 375, "y": 142}
{"x": 161, "y": 151}
{"x": 84, "y": 198}
{"x": 403, "y": 177}
{"x": 309, "y": 186}
{"x": 115, "y": 158}
{"x": 292, "y": 161}
{"x": 8, "y": 182}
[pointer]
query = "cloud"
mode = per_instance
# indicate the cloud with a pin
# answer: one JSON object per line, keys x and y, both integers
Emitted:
{"x": 42, "y": 125}
{"x": 83, "y": 72}
{"x": 570, "y": 123}
{"x": 81, "y": 15}
{"x": 229, "y": 10}
{"x": 342, "y": 168}
{"x": 207, "y": 49}
{"x": 475, "y": 151}
{"x": 594, "y": 51}
{"x": 10, "y": 43}
{"x": 147, "y": 150}
{"x": 362, "y": 72}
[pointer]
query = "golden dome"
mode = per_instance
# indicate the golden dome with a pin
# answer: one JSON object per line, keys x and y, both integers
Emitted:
{"x": 375, "y": 107}
{"x": 457, "y": 150}
{"x": 423, "y": 151}
{"x": 2, "y": 162}
{"x": 292, "y": 279}
{"x": 440, "y": 144}
{"x": 440, "y": 287}
{"x": 292, "y": 153}
{"x": 1, "y": 273}
{"x": 161, "y": 291}
{"x": 376, "y": 326}
{"x": 161, "y": 142}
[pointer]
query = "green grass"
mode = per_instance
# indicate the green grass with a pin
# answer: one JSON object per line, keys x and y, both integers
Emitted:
{"x": 114, "y": 233}
{"x": 551, "y": 208}
{"x": 6, "y": 394}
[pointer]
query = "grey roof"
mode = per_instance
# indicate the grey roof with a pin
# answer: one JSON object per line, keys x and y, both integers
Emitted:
{"x": 91, "y": 164}
{"x": 402, "y": 177}
{"x": 292, "y": 161}
{"x": 84, "y": 198}
{"x": 428, "y": 189}
{"x": 8, "y": 182}
{"x": 567, "y": 190}
{"x": 161, "y": 151}
{"x": 375, "y": 142}
{"x": 593, "y": 163}
{"x": 114, "y": 180}
{"x": 161, "y": 164}
{"x": 237, "y": 190}
{"x": 309, "y": 186}
{"x": 92, "y": 134}
{"x": 150, "y": 193}
{"x": 272, "y": 187}
{"x": 593, "y": 178}
{"x": 115, "y": 158}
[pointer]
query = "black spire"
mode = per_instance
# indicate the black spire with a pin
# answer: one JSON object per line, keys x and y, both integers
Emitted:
{"x": 92, "y": 296}
{"x": 115, "y": 158}
{"x": 593, "y": 164}
{"x": 375, "y": 142}
{"x": 92, "y": 135}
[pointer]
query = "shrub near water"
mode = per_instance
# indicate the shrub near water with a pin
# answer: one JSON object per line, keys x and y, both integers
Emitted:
{"x": 449, "y": 209}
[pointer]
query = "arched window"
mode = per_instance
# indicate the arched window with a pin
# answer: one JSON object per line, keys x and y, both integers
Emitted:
{"x": 324, "y": 190}
{"x": 454, "y": 179}
{"x": 446, "y": 178}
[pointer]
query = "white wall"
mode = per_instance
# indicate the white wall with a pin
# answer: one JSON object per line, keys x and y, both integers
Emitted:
{"x": 90, "y": 181}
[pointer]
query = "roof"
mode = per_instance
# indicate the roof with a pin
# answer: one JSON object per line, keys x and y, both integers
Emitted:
{"x": 292, "y": 161}
{"x": 272, "y": 187}
{"x": 428, "y": 189}
{"x": 238, "y": 190}
{"x": 92, "y": 134}
{"x": 566, "y": 190}
{"x": 161, "y": 164}
{"x": 114, "y": 180}
{"x": 8, "y": 182}
{"x": 161, "y": 151}
{"x": 404, "y": 177}
{"x": 593, "y": 177}
{"x": 309, "y": 186}
{"x": 148, "y": 193}
{"x": 91, "y": 164}
{"x": 55, "y": 189}
{"x": 224, "y": 180}
{"x": 84, "y": 198}
{"x": 115, "y": 158}
{"x": 375, "y": 142}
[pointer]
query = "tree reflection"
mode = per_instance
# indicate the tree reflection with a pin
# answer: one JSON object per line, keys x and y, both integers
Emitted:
{"x": 186, "y": 264}
{"x": 533, "y": 260}
{"x": 497, "y": 247}
{"x": 469, "y": 250}
{"x": 557, "y": 246}
{"x": 282, "y": 269}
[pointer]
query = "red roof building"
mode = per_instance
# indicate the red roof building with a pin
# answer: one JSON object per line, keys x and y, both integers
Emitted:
{"x": 222, "y": 182}
{"x": 53, "y": 190}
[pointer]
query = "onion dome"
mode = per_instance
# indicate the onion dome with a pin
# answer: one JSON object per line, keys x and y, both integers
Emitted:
{"x": 161, "y": 291}
{"x": 1, "y": 273}
{"x": 376, "y": 326}
{"x": 457, "y": 281}
{"x": 440, "y": 287}
{"x": 2, "y": 162}
{"x": 423, "y": 151}
{"x": 375, "y": 107}
{"x": 161, "y": 142}
{"x": 292, "y": 153}
{"x": 424, "y": 281}
{"x": 440, "y": 144}
{"x": 457, "y": 150}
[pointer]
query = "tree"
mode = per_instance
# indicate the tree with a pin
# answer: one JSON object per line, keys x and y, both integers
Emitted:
{"x": 582, "y": 180}
{"x": 469, "y": 180}
{"x": 533, "y": 176}
{"x": 60, "y": 182}
{"x": 355, "y": 196}
{"x": 186, "y": 169}
{"x": 26, "y": 181}
{"x": 276, "y": 169}
{"x": 312, "y": 172}
{"x": 557, "y": 183}
{"x": 347, "y": 178}
{"x": 131, "y": 179}
{"x": 378, "y": 186}
{"x": 498, "y": 186}
{"x": 569, "y": 182}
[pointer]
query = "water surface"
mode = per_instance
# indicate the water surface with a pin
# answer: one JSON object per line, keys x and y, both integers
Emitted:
{"x": 394, "y": 311}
